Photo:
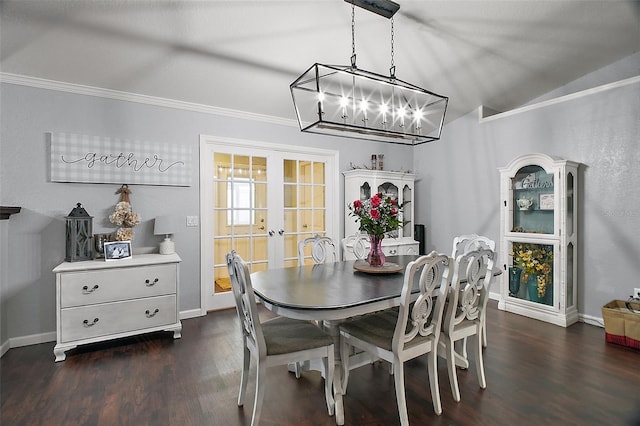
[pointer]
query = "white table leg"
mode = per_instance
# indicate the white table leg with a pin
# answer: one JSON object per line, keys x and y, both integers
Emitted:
{"x": 331, "y": 327}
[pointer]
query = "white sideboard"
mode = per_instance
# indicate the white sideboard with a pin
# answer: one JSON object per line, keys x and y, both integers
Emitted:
{"x": 99, "y": 300}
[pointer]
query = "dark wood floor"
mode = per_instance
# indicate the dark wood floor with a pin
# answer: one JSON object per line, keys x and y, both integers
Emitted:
{"x": 537, "y": 374}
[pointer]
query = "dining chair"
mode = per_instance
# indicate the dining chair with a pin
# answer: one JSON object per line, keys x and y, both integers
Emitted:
{"x": 358, "y": 244}
{"x": 466, "y": 309}
{"x": 461, "y": 245}
{"x": 278, "y": 341}
{"x": 323, "y": 249}
{"x": 399, "y": 334}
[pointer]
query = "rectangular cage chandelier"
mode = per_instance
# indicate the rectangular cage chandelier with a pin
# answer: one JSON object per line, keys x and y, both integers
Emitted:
{"x": 342, "y": 100}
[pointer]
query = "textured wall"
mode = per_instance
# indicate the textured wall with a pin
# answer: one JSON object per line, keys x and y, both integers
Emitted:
{"x": 460, "y": 192}
{"x": 34, "y": 242}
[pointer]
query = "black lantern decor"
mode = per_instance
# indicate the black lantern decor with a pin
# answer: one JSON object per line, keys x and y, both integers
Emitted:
{"x": 79, "y": 231}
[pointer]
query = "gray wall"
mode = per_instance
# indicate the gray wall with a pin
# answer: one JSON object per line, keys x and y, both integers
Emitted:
{"x": 457, "y": 191}
{"x": 460, "y": 191}
{"x": 33, "y": 240}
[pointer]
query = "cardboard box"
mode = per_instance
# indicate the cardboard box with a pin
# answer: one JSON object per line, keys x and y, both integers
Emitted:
{"x": 621, "y": 324}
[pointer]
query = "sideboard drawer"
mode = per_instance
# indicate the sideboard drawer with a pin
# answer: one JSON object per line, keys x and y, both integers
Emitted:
{"x": 391, "y": 250}
{"x": 409, "y": 249}
{"x": 110, "y": 285}
{"x": 118, "y": 317}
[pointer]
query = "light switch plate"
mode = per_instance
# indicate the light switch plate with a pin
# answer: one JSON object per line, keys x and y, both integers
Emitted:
{"x": 192, "y": 220}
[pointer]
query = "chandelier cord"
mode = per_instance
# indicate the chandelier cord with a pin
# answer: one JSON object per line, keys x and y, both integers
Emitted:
{"x": 353, "y": 36}
{"x": 392, "y": 70}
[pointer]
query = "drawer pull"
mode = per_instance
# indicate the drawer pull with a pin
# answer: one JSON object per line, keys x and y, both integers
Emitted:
{"x": 85, "y": 289}
{"x": 151, "y": 284}
{"x": 152, "y": 314}
{"x": 87, "y": 324}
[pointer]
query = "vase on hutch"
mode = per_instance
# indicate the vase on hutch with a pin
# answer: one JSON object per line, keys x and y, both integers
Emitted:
{"x": 376, "y": 257}
{"x": 532, "y": 288}
{"x": 515, "y": 274}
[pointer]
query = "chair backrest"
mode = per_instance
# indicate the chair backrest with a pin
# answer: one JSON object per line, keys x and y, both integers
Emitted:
{"x": 358, "y": 244}
{"x": 465, "y": 243}
{"x": 470, "y": 285}
{"x": 424, "y": 316}
{"x": 323, "y": 250}
{"x": 246, "y": 303}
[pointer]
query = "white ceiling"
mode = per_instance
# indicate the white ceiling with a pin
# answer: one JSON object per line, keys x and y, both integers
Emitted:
{"x": 243, "y": 55}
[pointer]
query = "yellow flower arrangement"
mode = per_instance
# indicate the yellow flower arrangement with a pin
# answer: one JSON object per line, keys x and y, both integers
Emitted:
{"x": 534, "y": 259}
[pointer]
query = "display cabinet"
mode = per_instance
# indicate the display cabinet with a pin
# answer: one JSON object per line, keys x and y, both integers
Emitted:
{"x": 538, "y": 234}
{"x": 361, "y": 184}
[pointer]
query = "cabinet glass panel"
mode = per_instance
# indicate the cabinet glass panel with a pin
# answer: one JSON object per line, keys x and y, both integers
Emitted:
{"x": 570, "y": 204}
{"x": 531, "y": 272}
{"x": 365, "y": 191}
{"x": 533, "y": 200}
{"x": 389, "y": 190}
{"x": 406, "y": 218}
{"x": 570, "y": 283}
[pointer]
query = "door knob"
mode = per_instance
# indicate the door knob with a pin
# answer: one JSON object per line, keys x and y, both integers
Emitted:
{"x": 272, "y": 233}
{"x": 281, "y": 232}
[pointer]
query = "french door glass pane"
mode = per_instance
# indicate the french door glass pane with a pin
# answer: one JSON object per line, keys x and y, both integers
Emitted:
{"x": 289, "y": 173}
{"x": 290, "y": 221}
{"x": 259, "y": 249}
{"x": 318, "y": 197}
{"x": 259, "y": 169}
{"x": 222, "y": 246}
{"x": 221, "y": 282}
{"x": 319, "y": 221}
{"x": 305, "y": 196}
{"x": 306, "y": 220}
{"x": 305, "y": 172}
{"x": 291, "y": 246}
{"x": 260, "y": 195}
{"x": 290, "y": 196}
{"x": 318, "y": 173}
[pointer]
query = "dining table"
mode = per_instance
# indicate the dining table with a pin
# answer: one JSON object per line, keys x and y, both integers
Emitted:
{"x": 331, "y": 293}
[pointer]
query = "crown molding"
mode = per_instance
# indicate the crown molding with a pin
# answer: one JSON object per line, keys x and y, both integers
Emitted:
{"x": 486, "y": 114}
{"x": 99, "y": 92}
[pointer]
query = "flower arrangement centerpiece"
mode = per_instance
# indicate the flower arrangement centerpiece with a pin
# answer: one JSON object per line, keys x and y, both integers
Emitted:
{"x": 378, "y": 216}
{"x": 534, "y": 259}
{"x": 124, "y": 216}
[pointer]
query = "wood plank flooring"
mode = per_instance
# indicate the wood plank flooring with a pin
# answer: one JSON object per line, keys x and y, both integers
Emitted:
{"x": 537, "y": 374}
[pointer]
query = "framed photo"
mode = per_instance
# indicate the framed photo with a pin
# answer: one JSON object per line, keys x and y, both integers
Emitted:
{"x": 117, "y": 250}
{"x": 546, "y": 201}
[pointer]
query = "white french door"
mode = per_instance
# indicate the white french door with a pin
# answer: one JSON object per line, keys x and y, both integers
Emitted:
{"x": 260, "y": 199}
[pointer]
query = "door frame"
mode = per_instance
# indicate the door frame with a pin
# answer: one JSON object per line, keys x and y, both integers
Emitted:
{"x": 208, "y": 144}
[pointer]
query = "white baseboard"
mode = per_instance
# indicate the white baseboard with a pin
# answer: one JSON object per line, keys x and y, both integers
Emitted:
{"x": 193, "y": 313}
{"x": 587, "y": 319}
{"x": 33, "y": 339}
{"x": 591, "y": 320}
{"x": 4, "y": 348}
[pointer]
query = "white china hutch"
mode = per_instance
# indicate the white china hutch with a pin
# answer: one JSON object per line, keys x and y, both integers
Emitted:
{"x": 361, "y": 184}
{"x": 538, "y": 235}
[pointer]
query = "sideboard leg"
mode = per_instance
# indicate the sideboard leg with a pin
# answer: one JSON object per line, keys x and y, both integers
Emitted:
{"x": 59, "y": 351}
